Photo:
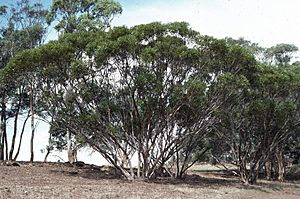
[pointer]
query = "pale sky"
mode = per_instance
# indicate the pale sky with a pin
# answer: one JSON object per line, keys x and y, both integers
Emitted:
{"x": 267, "y": 22}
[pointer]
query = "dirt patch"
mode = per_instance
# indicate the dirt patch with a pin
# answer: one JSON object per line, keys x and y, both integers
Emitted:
{"x": 58, "y": 180}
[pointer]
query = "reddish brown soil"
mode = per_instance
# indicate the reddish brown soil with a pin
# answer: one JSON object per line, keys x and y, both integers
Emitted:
{"x": 53, "y": 180}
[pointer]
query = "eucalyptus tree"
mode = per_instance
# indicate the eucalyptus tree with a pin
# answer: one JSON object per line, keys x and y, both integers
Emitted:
{"x": 165, "y": 77}
{"x": 259, "y": 118}
{"x": 253, "y": 48}
{"x": 98, "y": 106}
{"x": 281, "y": 54}
{"x": 139, "y": 92}
{"x": 281, "y": 101}
{"x": 278, "y": 56}
{"x": 83, "y": 15}
{"x": 23, "y": 27}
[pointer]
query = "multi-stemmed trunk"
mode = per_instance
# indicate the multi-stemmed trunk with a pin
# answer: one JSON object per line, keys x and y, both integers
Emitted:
{"x": 13, "y": 141}
{"x": 16, "y": 117}
{"x": 21, "y": 137}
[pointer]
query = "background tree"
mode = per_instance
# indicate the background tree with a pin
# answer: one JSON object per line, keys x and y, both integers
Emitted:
{"x": 281, "y": 54}
{"x": 260, "y": 119}
{"x": 23, "y": 28}
{"x": 83, "y": 15}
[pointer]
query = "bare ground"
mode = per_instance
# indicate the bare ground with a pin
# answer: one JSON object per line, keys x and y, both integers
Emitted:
{"x": 58, "y": 180}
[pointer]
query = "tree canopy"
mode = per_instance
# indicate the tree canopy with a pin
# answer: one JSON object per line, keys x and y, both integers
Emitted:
{"x": 155, "y": 97}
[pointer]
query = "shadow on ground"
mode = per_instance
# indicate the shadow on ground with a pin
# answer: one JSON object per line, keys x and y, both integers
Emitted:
{"x": 197, "y": 178}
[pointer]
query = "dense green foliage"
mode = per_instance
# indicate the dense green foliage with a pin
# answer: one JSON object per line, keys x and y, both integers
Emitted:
{"x": 82, "y": 15}
{"x": 161, "y": 95}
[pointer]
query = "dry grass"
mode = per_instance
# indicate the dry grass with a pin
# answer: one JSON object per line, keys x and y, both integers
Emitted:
{"x": 62, "y": 181}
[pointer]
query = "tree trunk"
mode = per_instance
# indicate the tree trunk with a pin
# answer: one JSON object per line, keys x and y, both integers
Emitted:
{"x": 130, "y": 166}
{"x": 2, "y": 146}
{"x": 243, "y": 173}
{"x": 13, "y": 141}
{"x": 32, "y": 125}
{"x": 12, "y": 147}
{"x": 21, "y": 138}
{"x": 145, "y": 173}
{"x": 139, "y": 164}
{"x": 177, "y": 162}
{"x": 2, "y": 127}
{"x": 72, "y": 153}
{"x": 268, "y": 169}
{"x": 5, "y": 142}
{"x": 47, "y": 154}
{"x": 253, "y": 175}
{"x": 280, "y": 165}
{"x": 253, "y": 172}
